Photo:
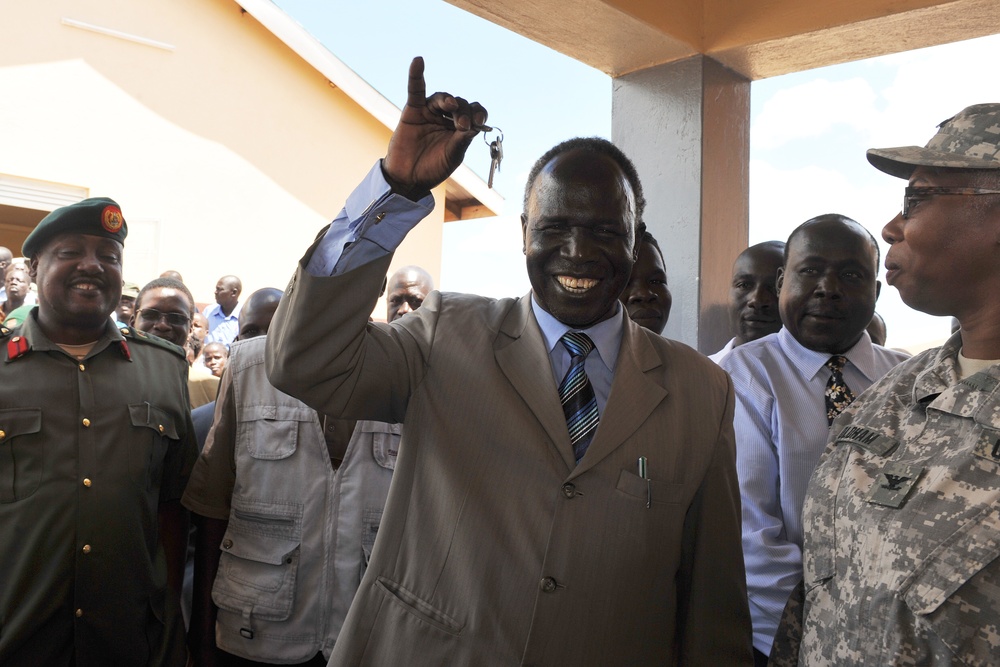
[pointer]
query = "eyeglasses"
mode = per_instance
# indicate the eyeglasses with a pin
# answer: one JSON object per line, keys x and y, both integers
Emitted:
{"x": 915, "y": 194}
{"x": 173, "y": 319}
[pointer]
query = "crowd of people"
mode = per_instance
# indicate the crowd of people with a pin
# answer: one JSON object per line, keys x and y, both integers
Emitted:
{"x": 544, "y": 480}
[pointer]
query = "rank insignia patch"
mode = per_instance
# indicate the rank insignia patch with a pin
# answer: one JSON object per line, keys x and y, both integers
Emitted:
{"x": 893, "y": 484}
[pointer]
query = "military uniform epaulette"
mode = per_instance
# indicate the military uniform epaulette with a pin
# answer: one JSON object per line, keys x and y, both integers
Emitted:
{"x": 134, "y": 334}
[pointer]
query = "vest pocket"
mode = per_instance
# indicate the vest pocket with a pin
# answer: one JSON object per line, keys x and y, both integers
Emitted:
{"x": 271, "y": 432}
{"x": 259, "y": 561}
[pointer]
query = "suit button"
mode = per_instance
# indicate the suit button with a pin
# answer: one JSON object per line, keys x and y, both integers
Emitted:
{"x": 227, "y": 544}
{"x": 569, "y": 490}
{"x": 548, "y": 585}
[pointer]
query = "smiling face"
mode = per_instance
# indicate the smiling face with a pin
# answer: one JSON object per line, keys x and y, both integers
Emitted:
{"x": 828, "y": 287}
{"x": 579, "y": 237}
{"x": 646, "y": 296}
{"x": 159, "y": 306}
{"x": 943, "y": 258}
{"x": 79, "y": 279}
{"x": 753, "y": 294}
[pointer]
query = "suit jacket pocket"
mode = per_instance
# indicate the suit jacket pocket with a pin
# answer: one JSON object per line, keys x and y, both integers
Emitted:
{"x": 424, "y": 611}
{"x": 655, "y": 491}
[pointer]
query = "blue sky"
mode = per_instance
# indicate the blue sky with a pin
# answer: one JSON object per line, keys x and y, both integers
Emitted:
{"x": 809, "y": 130}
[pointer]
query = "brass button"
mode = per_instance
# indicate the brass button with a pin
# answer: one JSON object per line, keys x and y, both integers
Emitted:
{"x": 161, "y": 428}
{"x": 86, "y": 548}
{"x": 86, "y": 482}
{"x": 379, "y": 216}
{"x": 15, "y": 339}
{"x": 227, "y": 544}
{"x": 82, "y": 367}
{"x": 3, "y": 434}
{"x": 124, "y": 331}
{"x": 79, "y": 613}
{"x": 86, "y": 422}
{"x": 548, "y": 585}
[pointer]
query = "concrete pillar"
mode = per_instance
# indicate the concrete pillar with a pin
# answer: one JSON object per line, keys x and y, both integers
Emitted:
{"x": 686, "y": 125}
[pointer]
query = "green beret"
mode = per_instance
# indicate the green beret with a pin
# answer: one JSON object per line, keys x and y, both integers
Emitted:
{"x": 97, "y": 216}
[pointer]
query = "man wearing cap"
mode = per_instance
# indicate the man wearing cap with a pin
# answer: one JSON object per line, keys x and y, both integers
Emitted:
{"x": 126, "y": 304}
{"x": 902, "y": 515}
{"x": 95, "y": 448}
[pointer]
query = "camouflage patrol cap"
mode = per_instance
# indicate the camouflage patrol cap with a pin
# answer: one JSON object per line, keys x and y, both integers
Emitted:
{"x": 97, "y": 216}
{"x": 969, "y": 140}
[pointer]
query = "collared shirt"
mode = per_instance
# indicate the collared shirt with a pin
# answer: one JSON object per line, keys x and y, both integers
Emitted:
{"x": 781, "y": 431}
{"x": 600, "y": 364}
{"x": 222, "y": 328}
{"x": 724, "y": 352}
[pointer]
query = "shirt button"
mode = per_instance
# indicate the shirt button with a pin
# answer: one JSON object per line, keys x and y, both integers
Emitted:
{"x": 86, "y": 548}
{"x": 86, "y": 423}
{"x": 82, "y": 367}
{"x": 161, "y": 428}
{"x": 569, "y": 489}
{"x": 227, "y": 544}
{"x": 79, "y": 613}
{"x": 86, "y": 482}
{"x": 548, "y": 585}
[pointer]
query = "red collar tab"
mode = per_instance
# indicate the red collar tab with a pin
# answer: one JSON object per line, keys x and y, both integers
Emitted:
{"x": 16, "y": 347}
{"x": 125, "y": 351}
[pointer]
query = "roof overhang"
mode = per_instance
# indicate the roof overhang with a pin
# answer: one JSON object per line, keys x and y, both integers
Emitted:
{"x": 468, "y": 195}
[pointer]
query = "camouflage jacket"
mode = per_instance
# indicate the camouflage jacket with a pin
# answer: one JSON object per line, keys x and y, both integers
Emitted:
{"x": 902, "y": 525}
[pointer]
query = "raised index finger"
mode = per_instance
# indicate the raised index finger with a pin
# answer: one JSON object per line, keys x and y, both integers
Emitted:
{"x": 416, "y": 88}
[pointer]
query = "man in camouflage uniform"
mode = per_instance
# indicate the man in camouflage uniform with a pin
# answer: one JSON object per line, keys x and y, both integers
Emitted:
{"x": 95, "y": 447}
{"x": 902, "y": 517}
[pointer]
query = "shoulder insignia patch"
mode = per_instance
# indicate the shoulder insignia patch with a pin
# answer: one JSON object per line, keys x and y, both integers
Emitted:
{"x": 981, "y": 381}
{"x": 143, "y": 337}
{"x": 16, "y": 347}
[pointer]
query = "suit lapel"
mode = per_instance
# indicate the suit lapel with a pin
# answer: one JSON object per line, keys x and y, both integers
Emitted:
{"x": 633, "y": 396}
{"x": 520, "y": 353}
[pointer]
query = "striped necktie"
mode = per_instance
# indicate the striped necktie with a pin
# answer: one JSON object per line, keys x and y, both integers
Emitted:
{"x": 838, "y": 395}
{"x": 577, "y": 395}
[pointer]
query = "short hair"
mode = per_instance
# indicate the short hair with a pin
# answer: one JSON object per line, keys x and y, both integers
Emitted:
{"x": 600, "y": 146}
{"x": 171, "y": 283}
{"x": 651, "y": 240}
{"x": 16, "y": 266}
{"x": 840, "y": 218}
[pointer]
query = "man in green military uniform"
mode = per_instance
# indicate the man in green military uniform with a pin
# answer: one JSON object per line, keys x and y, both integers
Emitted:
{"x": 96, "y": 444}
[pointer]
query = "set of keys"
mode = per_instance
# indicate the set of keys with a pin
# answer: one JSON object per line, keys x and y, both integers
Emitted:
{"x": 496, "y": 147}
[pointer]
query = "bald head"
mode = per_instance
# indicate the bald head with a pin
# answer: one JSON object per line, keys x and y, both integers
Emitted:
{"x": 257, "y": 313}
{"x": 406, "y": 291}
{"x": 227, "y": 293}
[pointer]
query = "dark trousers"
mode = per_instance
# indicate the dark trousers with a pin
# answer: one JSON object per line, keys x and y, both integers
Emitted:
{"x": 230, "y": 660}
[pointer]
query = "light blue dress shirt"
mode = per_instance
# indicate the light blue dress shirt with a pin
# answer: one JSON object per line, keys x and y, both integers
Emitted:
{"x": 781, "y": 431}
{"x": 222, "y": 328}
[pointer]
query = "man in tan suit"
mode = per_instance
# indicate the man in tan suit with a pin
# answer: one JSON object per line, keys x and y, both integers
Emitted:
{"x": 520, "y": 530}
